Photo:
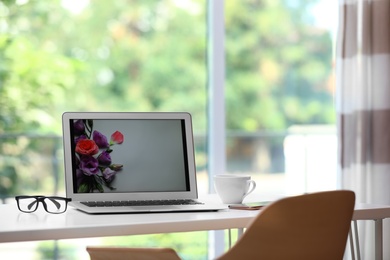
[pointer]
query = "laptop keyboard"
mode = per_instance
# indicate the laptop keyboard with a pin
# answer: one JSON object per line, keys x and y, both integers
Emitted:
{"x": 140, "y": 203}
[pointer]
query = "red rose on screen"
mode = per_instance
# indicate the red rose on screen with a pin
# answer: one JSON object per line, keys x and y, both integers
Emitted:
{"x": 87, "y": 147}
{"x": 116, "y": 138}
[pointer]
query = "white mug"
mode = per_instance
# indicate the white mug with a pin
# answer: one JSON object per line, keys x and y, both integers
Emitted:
{"x": 232, "y": 189}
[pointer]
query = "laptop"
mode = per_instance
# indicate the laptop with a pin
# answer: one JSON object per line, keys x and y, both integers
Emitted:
{"x": 131, "y": 162}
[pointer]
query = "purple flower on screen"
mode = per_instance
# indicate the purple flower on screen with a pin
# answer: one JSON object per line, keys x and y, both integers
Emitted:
{"x": 79, "y": 127}
{"x": 100, "y": 139}
{"x": 104, "y": 158}
{"x": 109, "y": 174}
{"x": 89, "y": 165}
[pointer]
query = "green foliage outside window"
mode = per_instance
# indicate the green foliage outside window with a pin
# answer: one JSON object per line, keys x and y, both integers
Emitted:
{"x": 151, "y": 56}
{"x": 137, "y": 55}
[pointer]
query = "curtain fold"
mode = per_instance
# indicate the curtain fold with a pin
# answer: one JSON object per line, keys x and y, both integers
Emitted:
{"x": 363, "y": 105}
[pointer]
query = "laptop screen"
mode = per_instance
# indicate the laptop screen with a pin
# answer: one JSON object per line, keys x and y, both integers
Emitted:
{"x": 128, "y": 153}
{"x": 139, "y": 155}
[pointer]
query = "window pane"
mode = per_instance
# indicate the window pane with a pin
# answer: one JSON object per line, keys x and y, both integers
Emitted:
{"x": 129, "y": 55}
{"x": 99, "y": 56}
{"x": 279, "y": 93}
{"x": 66, "y": 55}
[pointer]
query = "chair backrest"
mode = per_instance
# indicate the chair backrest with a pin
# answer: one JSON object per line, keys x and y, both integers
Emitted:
{"x": 123, "y": 253}
{"x": 305, "y": 227}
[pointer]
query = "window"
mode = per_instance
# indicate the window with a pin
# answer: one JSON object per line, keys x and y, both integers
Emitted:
{"x": 279, "y": 94}
{"x": 271, "y": 86}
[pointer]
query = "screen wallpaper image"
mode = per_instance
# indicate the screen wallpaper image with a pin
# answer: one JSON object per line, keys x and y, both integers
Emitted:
{"x": 111, "y": 155}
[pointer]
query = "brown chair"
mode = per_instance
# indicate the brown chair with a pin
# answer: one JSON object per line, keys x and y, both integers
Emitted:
{"x": 123, "y": 253}
{"x": 305, "y": 227}
{"x": 311, "y": 226}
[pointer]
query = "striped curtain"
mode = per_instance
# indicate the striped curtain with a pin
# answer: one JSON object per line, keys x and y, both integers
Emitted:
{"x": 363, "y": 103}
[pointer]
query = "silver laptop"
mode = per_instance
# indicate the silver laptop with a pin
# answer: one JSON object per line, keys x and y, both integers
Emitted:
{"x": 131, "y": 162}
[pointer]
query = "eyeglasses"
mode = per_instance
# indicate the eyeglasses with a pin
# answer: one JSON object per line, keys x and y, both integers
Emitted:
{"x": 53, "y": 204}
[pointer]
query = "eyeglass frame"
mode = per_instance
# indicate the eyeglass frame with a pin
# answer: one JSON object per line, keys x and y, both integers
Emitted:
{"x": 40, "y": 198}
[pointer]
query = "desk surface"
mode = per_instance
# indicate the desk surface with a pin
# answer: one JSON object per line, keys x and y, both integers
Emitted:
{"x": 16, "y": 226}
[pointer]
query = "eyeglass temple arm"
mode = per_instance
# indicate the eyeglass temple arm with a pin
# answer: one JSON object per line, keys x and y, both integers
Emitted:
{"x": 29, "y": 206}
{"x": 58, "y": 205}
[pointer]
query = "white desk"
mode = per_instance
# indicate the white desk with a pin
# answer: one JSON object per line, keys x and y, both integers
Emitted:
{"x": 16, "y": 226}
{"x": 377, "y": 213}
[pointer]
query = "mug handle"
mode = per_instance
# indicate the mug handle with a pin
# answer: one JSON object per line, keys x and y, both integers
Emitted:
{"x": 250, "y": 189}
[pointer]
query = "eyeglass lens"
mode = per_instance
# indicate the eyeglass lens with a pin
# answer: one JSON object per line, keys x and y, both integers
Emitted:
{"x": 51, "y": 205}
{"x": 28, "y": 204}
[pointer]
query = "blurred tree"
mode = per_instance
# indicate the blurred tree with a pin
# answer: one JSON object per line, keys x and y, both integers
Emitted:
{"x": 133, "y": 55}
{"x": 131, "y": 64}
{"x": 33, "y": 76}
{"x": 148, "y": 55}
{"x": 278, "y": 64}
